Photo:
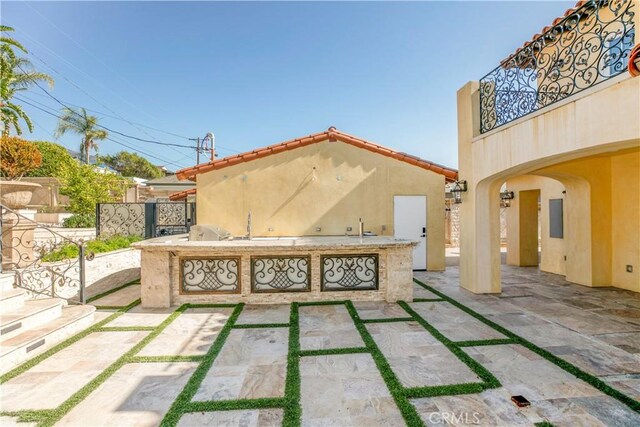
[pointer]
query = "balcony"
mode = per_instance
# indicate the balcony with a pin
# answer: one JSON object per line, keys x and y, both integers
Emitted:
{"x": 587, "y": 46}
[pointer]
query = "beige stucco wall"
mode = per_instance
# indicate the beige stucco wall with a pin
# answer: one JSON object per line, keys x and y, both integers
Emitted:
{"x": 553, "y": 250}
{"x": 328, "y": 185}
{"x": 599, "y": 121}
{"x": 625, "y": 231}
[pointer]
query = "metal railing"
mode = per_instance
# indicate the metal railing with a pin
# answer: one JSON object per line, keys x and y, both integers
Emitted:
{"x": 587, "y": 47}
{"x": 25, "y": 257}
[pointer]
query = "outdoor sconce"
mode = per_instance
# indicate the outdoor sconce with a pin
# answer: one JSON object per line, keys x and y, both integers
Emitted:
{"x": 457, "y": 189}
{"x": 506, "y": 197}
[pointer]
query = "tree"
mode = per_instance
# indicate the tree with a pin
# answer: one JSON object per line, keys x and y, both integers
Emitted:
{"x": 17, "y": 157}
{"x": 87, "y": 186}
{"x": 80, "y": 122}
{"x": 16, "y": 74}
{"x": 56, "y": 160}
{"x": 131, "y": 164}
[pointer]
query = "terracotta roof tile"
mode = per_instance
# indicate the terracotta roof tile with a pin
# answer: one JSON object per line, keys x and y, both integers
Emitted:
{"x": 182, "y": 195}
{"x": 331, "y": 134}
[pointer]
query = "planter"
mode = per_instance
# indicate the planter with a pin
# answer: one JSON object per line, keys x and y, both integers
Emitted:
{"x": 17, "y": 194}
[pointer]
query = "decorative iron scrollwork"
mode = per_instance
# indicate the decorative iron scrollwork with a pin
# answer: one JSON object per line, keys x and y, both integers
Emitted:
{"x": 281, "y": 273}
{"x": 349, "y": 272}
{"x": 124, "y": 219}
{"x": 25, "y": 256}
{"x": 210, "y": 275}
{"x": 589, "y": 46}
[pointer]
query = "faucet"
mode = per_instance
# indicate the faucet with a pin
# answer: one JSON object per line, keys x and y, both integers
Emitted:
{"x": 249, "y": 225}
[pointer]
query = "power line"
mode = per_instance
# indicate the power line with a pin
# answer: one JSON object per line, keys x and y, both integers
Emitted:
{"x": 109, "y": 138}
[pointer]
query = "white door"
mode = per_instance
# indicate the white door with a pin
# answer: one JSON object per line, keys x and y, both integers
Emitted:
{"x": 410, "y": 222}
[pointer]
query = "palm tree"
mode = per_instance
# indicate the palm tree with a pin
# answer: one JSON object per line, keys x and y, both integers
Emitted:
{"x": 17, "y": 74}
{"x": 80, "y": 122}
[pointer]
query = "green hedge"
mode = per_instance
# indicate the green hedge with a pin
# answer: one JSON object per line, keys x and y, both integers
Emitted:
{"x": 97, "y": 246}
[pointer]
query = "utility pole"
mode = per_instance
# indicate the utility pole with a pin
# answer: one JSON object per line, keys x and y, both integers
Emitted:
{"x": 204, "y": 145}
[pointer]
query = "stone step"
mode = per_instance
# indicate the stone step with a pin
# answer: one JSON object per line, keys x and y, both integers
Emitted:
{"x": 12, "y": 299}
{"x": 32, "y": 314}
{"x": 7, "y": 279}
{"x": 30, "y": 343}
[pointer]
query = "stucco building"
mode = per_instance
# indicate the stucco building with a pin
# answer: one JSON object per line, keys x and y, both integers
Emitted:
{"x": 323, "y": 184}
{"x": 558, "y": 124}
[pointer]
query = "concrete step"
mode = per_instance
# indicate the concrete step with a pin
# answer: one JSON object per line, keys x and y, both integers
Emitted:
{"x": 7, "y": 279}
{"x": 12, "y": 299}
{"x": 16, "y": 350}
{"x": 32, "y": 314}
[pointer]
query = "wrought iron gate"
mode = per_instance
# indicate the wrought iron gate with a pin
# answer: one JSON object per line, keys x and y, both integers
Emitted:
{"x": 146, "y": 220}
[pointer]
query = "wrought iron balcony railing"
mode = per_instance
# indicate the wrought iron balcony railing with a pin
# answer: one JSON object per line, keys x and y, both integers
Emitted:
{"x": 588, "y": 46}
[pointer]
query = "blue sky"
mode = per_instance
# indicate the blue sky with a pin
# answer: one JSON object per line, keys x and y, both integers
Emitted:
{"x": 260, "y": 73}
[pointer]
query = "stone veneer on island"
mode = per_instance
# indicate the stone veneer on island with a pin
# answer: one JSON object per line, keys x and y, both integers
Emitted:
{"x": 175, "y": 271}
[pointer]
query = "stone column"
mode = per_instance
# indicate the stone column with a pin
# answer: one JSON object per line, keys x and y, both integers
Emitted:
{"x": 17, "y": 242}
{"x": 155, "y": 279}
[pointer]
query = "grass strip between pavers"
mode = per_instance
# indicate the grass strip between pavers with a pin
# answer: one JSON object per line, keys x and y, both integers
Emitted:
{"x": 261, "y": 325}
{"x": 292, "y": 410}
{"x": 81, "y": 394}
{"x": 388, "y": 320}
{"x": 489, "y": 380}
{"x": 333, "y": 351}
{"x": 427, "y": 300}
{"x": 478, "y": 343}
{"x": 408, "y": 411}
{"x": 182, "y": 402}
{"x": 116, "y": 289}
{"x": 561, "y": 363}
{"x": 29, "y": 415}
{"x": 234, "y": 405}
{"x": 62, "y": 345}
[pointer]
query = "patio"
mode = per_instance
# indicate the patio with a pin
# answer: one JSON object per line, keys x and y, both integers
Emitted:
{"x": 450, "y": 357}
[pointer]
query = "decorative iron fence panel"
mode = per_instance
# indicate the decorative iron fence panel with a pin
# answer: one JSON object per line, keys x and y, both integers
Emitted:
{"x": 587, "y": 47}
{"x": 124, "y": 219}
{"x": 145, "y": 220}
{"x": 210, "y": 275}
{"x": 286, "y": 273}
{"x": 349, "y": 272}
{"x": 33, "y": 271}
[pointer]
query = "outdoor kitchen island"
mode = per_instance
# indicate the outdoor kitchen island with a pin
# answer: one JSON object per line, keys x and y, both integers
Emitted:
{"x": 273, "y": 270}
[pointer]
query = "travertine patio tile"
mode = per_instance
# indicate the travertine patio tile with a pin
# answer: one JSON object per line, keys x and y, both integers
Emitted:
{"x": 416, "y": 357}
{"x": 454, "y": 323}
{"x": 55, "y": 379}
{"x": 120, "y": 298}
{"x": 628, "y": 384}
{"x": 139, "y": 316}
{"x": 420, "y": 292}
{"x": 345, "y": 390}
{"x": 596, "y": 411}
{"x": 255, "y": 314}
{"x": 327, "y": 326}
{"x": 251, "y": 365}
{"x": 523, "y": 372}
{"x": 489, "y": 408}
{"x": 378, "y": 310}
{"x": 191, "y": 333}
{"x": 138, "y": 394}
{"x": 246, "y": 418}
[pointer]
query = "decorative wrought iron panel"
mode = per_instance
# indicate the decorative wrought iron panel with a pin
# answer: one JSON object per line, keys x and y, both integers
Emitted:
{"x": 589, "y": 46}
{"x": 209, "y": 275}
{"x": 28, "y": 260}
{"x": 349, "y": 272}
{"x": 287, "y": 273}
{"x": 125, "y": 219}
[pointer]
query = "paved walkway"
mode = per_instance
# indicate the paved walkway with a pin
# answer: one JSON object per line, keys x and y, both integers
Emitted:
{"x": 431, "y": 362}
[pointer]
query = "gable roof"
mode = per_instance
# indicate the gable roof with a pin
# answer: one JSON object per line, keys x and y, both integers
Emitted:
{"x": 331, "y": 134}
